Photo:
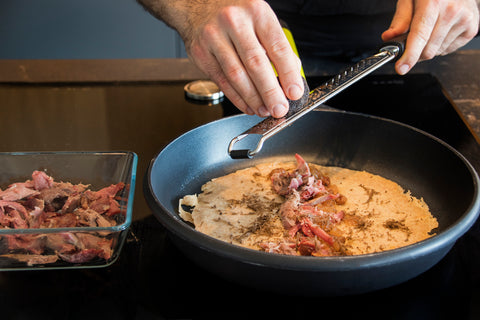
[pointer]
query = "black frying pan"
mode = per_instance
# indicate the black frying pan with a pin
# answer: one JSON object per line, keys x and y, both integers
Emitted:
{"x": 417, "y": 161}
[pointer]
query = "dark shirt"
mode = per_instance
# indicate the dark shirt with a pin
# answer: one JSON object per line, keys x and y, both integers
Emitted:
{"x": 346, "y": 30}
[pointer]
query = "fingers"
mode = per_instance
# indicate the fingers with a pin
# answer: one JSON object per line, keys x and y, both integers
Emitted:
{"x": 465, "y": 28}
{"x": 456, "y": 43}
{"x": 261, "y": 42}
{"x": 401, "y": 24}
{"x": 201, "y": 54}
{"x": 268, "y": 96}
{"x": 401, "y": 20}
{"x": 421, "y": 28}
{"x": 435, "y": 28}
{"x": 281, "y": 55}
{"x": 237, "y": 48}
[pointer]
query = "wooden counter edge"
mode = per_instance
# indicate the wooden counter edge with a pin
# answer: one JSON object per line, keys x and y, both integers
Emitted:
{"x": 117, "y": 70}
{"x": 152, "y": 70}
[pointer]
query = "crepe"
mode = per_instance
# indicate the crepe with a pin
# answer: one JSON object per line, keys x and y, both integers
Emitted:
{"x": 356, "y": 212}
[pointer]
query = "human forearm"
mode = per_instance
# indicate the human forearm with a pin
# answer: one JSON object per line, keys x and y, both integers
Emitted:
{"x": 176, "y": 14}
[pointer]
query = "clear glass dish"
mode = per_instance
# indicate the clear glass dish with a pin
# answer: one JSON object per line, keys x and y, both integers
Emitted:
{"x": 43, "y": 248}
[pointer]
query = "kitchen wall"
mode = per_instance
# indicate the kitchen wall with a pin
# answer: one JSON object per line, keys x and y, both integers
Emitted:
{"x": 83, "y": 29}
{"x": 87, "y": 29}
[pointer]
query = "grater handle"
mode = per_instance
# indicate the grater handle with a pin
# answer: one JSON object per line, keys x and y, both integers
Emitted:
{"x": 399, "y": 42}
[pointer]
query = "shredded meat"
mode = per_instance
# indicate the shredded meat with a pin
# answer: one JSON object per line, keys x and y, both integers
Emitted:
{"x": 44, "y": 203}
{"x": 308, "y": 213}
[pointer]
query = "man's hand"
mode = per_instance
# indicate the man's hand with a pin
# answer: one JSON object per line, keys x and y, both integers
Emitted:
{"x": 235, "y": 43}
{"x": 436, "y": 27}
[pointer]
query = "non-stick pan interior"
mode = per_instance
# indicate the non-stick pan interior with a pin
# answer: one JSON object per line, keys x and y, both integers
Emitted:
{"x": 420, "y": 163}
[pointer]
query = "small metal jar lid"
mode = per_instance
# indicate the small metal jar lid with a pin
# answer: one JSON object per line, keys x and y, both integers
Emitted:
{"x": 205, "y": 90}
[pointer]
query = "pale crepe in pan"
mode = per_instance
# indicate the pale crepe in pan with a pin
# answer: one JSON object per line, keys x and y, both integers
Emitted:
{"x": 243, "y": 209}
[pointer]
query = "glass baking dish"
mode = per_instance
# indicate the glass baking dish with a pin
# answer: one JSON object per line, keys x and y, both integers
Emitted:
{"x": 93, "y": 244}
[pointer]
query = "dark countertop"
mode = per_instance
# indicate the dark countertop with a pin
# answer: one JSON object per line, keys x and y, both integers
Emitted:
{"x": 139, "y": 105}
{"x": 458, "y": 73}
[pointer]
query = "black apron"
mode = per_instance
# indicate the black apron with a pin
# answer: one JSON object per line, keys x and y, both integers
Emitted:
{"x": 343, "y": 30}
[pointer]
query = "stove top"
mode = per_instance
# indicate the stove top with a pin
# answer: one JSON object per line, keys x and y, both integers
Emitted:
{"x": 153, "y": 280}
